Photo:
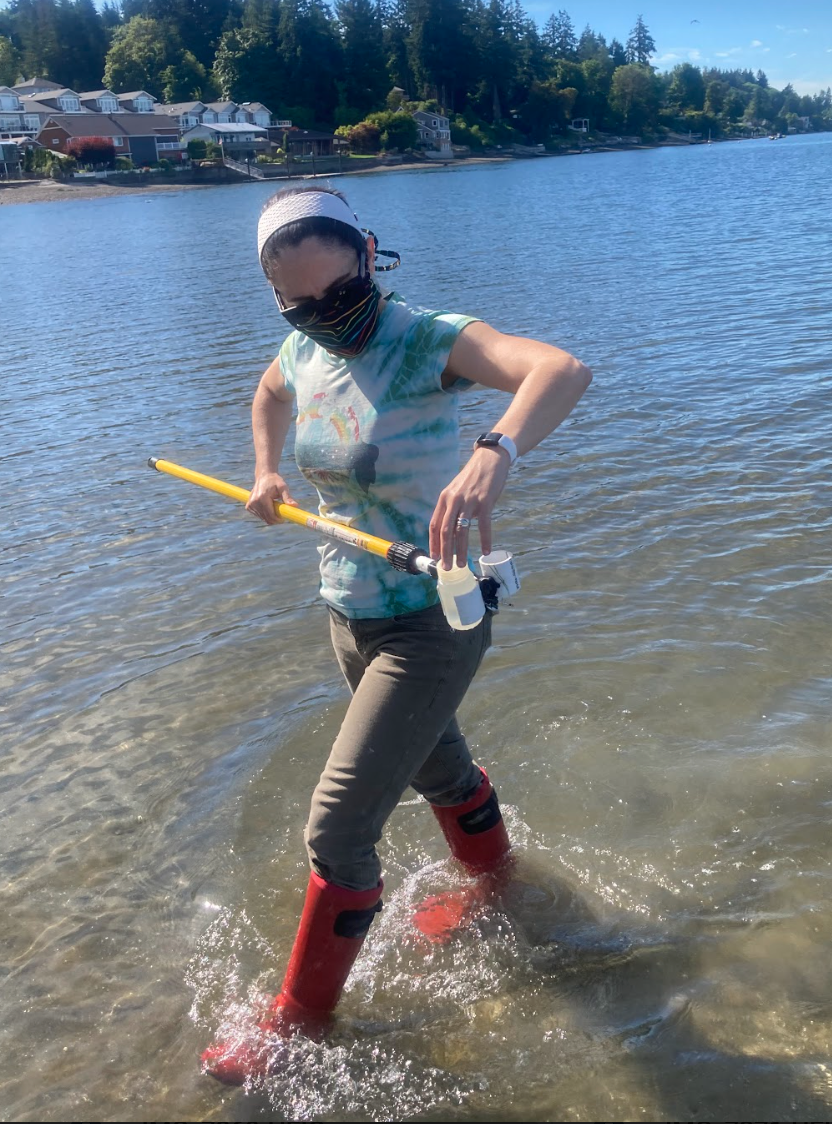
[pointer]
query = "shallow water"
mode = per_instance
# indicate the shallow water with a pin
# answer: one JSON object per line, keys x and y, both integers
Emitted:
{"x": 655, "y": 710}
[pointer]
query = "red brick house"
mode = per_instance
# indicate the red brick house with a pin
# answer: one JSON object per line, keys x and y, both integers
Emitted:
{"x": 144, "y": 138}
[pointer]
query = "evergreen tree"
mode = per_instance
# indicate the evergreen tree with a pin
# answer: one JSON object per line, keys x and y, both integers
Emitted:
{"x": 559, "y": 36}
{"x": 761, "y": 79}
{"x": 309, "y": 56}
{"x": 439, "y": 48}
{"x": 10, "y": 61}
{"x": 395, "y": 24}
{"x": 618, "y": 53}
{"x": 365, "y": 79}
{"x": 35, "y": 24}
{"x": 640, "y": 45}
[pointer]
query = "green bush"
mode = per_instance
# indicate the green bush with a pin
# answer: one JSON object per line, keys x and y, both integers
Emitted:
{"x": 124, "y": 164}
{"x": 197, "y": 149}
{"x": 167, "y": 167}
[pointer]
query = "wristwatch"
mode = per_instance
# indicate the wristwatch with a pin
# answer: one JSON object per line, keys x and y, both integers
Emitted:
{"x": 492, "y": 439}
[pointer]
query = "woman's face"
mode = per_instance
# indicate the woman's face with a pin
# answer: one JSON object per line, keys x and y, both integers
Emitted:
{"x": 313, "y": 268}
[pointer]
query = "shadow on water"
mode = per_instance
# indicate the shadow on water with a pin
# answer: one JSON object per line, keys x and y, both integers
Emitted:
{"x": 550, "y": 1006}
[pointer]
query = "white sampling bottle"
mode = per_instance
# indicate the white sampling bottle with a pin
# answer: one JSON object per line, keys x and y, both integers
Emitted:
{"x": 459, "y": 592}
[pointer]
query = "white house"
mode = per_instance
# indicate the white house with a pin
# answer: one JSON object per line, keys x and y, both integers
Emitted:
{"x": 139, "y": 101}
{"x": 236, "y": 139}
{"x": 100, "y": 101}
{"x": 434, "y": 131}
{"x": 25, "y": 115}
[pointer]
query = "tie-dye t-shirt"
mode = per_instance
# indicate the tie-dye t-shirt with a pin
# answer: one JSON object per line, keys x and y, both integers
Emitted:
{"x": 378, "y": 438}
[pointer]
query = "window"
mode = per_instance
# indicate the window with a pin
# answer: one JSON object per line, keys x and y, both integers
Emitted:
{"x": 143, "y": 105}
{"x": 117, "y": 141}
{"x": 32, "y": 121}
{"x": 9, "y": 123}
{"x": 69, "y": 105}
{"x": 108, "y": 105}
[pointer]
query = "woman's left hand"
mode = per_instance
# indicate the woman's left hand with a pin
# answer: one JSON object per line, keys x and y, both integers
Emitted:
{"x": 470, "y": 495}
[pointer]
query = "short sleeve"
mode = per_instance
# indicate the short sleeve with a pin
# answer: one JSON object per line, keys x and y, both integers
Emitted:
{"x": 452, "y": 324}
{"x": 429, "y": 345}
{"x": 288, "y": 356}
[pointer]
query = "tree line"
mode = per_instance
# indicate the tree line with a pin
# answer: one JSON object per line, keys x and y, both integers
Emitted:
{"x": 496, "y": 73}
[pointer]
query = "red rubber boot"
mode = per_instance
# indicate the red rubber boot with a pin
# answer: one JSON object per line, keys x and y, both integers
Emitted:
{"x": 332, "y": 929}
{"x": 477, "y": 837}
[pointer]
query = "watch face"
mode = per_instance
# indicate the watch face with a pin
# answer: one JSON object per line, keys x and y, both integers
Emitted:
{"x": 488, "y": 439}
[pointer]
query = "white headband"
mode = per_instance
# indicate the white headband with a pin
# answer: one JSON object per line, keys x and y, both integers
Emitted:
{"x": 303, "y": 205}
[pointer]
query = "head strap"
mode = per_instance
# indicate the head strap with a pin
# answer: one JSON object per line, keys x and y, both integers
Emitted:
{"x": 302, "y": 205}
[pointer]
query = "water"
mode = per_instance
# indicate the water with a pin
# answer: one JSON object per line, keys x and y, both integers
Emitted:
{"x": 654, "y": 710}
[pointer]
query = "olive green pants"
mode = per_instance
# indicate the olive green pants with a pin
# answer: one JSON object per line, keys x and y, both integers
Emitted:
{"x": 407, "y": 676}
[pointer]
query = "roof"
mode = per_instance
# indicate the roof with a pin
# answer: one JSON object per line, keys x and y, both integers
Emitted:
{"x": 253, "y": 106}
{"x": 230, "y": 128}
{"x": 39, "y": 83}
{"x": 30, "y": 104}
{"x": 173, "y": 109}
{"x": 131, "y": 95}
{"x": 306, "y": 134}
{"x": 52, "y": 95}
{"x": 86, "y": 124}
{"x": 96, "y": 94}
{"x": 146, "y": 124}
{"x": 219, "y": 105}
{"x": 102, "y": 125}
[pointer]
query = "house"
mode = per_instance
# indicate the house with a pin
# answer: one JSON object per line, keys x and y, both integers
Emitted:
{"x": 241, "y": 142}
{"x": 35, "y": 86}
{"x": 580, "y": 125}
{"x": 304, "y": 142}
{"x": 187, "y": 113}
{"x": 258, "y": 114}
{"x": 139, "y": 101}
{"x": 62, "y": 100}
{"x": 100, "y": 101}
{"x": 142, "y": 137}
{"x": 222, "y": 113}
{"x": 25, "y": 115}
{"x": 192, "y": 113}
{"x": 434, "y": 132}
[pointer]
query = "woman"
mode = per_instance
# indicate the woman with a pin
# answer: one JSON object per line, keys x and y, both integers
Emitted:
{"x": 374, "y": 382}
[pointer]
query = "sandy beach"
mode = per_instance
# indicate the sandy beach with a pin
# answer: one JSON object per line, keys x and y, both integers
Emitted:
{"x": 52, "y": 191}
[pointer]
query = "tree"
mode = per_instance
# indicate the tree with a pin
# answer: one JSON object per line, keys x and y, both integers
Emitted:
{"x": 142, "y": 49}
{"x": 633, "y": 95}
{"x": 397, "y": 130}
{"x": 365, "y": 82}
{"x": 716, "y": 93}
{"x": 640, "y": 45}
{"x": 440, "y": 49}
{"x": 10, "y": 61}
{"x": 246, "y": 68}
{"x": 186, "y": 80}
{"x": 761, "y": 79}
{"x": 618, "y": 53}
{"x": 559, "y": 36}
{"x": 97, "y": 151}
{"x": 687, "y": 88}
{"x": 547, "y": 109}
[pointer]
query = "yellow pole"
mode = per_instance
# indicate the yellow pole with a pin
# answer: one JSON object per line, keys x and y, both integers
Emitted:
{"x": 297, "y": 515}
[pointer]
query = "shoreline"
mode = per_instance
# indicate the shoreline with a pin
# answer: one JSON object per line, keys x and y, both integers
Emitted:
{"x": 20, "y": 192}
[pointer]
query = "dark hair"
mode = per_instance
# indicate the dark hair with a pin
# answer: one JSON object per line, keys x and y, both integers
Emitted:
{"x": 328, "y": 230}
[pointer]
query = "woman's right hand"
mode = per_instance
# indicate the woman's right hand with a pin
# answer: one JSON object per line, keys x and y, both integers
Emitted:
{"x": 269, "y": 488}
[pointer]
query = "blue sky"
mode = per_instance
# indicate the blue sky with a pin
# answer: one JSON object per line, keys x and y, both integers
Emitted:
{"x": 790, "y": 41}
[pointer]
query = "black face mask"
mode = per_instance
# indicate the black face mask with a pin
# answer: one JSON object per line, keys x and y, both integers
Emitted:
{"x": 344, "y": 320}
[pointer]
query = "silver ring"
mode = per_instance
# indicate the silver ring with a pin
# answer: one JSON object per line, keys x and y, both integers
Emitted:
{"x": 462, "y": 522}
